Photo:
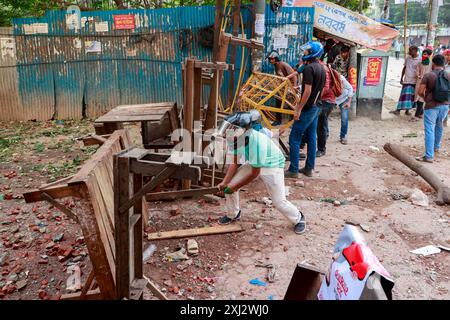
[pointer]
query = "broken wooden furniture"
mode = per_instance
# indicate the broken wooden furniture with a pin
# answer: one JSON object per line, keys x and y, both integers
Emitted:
{"x": 443, "y": 196}
{"x": 158, "y": 121}
{"x": 92, "y": 187}
{"x": 305, "y": 283}
{"x": 259, "y": 92}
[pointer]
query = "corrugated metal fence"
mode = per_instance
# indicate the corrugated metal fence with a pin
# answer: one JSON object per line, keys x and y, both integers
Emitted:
{"x": 50, "y": 68}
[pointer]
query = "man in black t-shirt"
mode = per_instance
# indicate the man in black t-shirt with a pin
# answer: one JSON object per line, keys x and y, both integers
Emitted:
{"x": 307, "y": 112}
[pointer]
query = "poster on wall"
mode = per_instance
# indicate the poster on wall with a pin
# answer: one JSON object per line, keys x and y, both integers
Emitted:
{"x": 373, "y": 72}
{"x": 124, "y": 22}
{"x": 93, "y": 46}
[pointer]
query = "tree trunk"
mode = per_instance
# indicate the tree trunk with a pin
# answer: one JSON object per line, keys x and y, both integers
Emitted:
{"x": 386, "y": 10}
{"x": 432, "y": 22}
{"x": 442, "y": 190}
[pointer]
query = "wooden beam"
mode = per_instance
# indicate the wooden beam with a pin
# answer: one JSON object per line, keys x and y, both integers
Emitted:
{"x": 172, "y": 195}
{"x": 137, "y": 227}
{"x": 236, "y": 13}
{"x": 197, "y": 93}
{"x": 156, "y": 181}
{"x": 188, "y": 110}
{"x": 90, "y": 295}
{"x": 213, "y": 65}
{"x": 55, "y": 192}
{"x": 61, "y": 207}
{"x": 152, "y": 287}
{"x": 152, "y": 168}
{"x": 121, "y": 223}
{"x": 93, "y": 139}
{"x": 195, "y": 232}
{"x": 87, "y": 285}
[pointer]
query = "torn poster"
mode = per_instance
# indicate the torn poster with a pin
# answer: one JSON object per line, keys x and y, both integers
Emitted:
{"x": 259, "y": 24}
{"x": 7, "y": 47}
{"x": 77, "y": 43}
{"x": 280, "y": 43}
{"x": 101, "y": 26}
{"x": 93, "y": 46}
{"x": 291, "y": 29}
{"x": 35, "y": 28}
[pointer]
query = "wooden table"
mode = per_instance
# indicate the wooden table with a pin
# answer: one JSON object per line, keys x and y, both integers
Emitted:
{"x": 158, "y": 120}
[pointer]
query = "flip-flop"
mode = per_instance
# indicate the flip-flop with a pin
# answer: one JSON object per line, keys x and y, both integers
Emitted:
{"x": 424, "y": 159}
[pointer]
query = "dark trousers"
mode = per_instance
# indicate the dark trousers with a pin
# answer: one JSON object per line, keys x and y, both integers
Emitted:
{"x": 419, "y": 109}
{"x": 322, "y": 126}
{"x": 397, "y": 54}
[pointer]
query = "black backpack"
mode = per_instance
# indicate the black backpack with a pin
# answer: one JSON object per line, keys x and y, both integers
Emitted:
{"x": 441, "y": 92}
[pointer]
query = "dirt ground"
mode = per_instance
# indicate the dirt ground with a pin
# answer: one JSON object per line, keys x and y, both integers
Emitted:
{"x": 37, "y": 262}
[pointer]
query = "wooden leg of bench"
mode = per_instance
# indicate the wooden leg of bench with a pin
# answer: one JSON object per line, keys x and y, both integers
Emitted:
{"x": 87, "y": 285}
{"x": 91, "y": 295}
{"x": 151, "y": 286}
{"x": 62, "y": 208}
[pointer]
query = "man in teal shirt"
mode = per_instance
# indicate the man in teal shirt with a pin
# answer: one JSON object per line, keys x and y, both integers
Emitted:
{"x": 259, "y": 157}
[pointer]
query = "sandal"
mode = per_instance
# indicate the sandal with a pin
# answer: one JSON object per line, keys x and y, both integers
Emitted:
{"x": 424, "y": 159}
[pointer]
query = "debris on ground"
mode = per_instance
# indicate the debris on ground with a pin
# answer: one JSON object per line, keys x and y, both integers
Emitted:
{"x": 192, "y": 247}
{"x": 419, "y": 198}
{"x": 212, "y": 199}
{"x": 177, "y": 255}
{"x": 148, "y": 252}
{"x": 373, "y": 148}
{"x": 73, "y": 283}
{"x": 334, "y": 201}
{"x": 427, "y": 250}
{"x": 300, "y": 184}
{"x": 257, "y": 282}
{"x": 267, "y": 201}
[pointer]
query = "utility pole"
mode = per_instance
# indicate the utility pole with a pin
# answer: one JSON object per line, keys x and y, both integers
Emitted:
{"x": 405, "y": 22}
{"x": 258, "y": 55}
{"x": 432, "y": 22}
{"x": 361, "y": 4}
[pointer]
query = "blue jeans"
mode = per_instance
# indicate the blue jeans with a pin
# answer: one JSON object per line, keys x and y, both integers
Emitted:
{"x": 306, "y": 125}
{"x": 434, "y": 128}
{"x": 344, "y": 120}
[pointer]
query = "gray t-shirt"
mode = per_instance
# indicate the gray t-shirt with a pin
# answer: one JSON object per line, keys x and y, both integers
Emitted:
{"x": 410, "y": 71}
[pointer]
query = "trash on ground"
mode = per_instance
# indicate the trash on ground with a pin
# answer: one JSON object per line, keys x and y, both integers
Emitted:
{"x": 148, "y": 252}
{"x": 427, "y": 250}
{"x": 257, "y": 282}
{"x": 419, "y": 198}
{"x": 177, "y": 255}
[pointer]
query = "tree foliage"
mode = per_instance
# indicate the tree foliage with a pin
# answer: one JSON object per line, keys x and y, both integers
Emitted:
{"x": 10, "y": 9}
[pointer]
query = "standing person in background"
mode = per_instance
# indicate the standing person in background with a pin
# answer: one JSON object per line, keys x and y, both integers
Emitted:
{"x": 408, "y": 81}
{"x": 342, "y": 61}
{"x": 344, "y": 102}
{"x": 421, "y": 69}
{"x": 397, "y": 48}
{"x": 421, "y": 48}
{"x": 306, "y": 113}
{"x": 282, "y": 69}
{"x": 434, "y": 88}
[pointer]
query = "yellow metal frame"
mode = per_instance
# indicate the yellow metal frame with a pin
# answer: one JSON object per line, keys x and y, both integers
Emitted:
{"x": 261, "y": 88}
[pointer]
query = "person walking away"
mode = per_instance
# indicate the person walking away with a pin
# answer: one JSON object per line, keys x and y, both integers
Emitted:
{"x": 408, "y": 81}
{"x": 307, "y": 111}
{"x": 397, "y": 48}
{"x": 263, "y": 159}
{"x": 282, "y": 69}
{"x": 421, "y": 69}
{"x": 435, "y": 89}
{"x": 344, "y": 101}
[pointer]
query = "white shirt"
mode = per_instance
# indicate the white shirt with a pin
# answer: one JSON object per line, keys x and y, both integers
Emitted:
{"x": 346, "y": 93}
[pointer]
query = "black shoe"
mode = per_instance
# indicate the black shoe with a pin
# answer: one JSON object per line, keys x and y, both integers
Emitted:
{"x": 320, "y": 154}
{"x": 301, "y": 226}
{"x": 302, "y": 156}
{"x": 226, "y": 220}
{"x": 307, "y": 172}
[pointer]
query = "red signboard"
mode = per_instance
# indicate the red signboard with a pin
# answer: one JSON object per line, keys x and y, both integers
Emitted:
{"x": 373, "y": 71}
{"x": 123, "y": 21}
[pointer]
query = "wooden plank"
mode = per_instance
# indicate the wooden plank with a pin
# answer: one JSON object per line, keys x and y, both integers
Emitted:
{"x": 152, "y": 287}
{"x": 54, "y": 183}
{"x": 99, "y": 210}
{"x": 188, "y": 109}
{"x": 55, "y": 192}
{"x": 129, "y": 118}
{"x": 90, "y": 295}
{"x": 105, "y": 196}
{"x": 137, "y": 228}
{"x": 172, "y": 195}
{"x": 104, "y": 271}
{"x": 122, "y": 230}
{"x": 93, "y": 139}
{"x": 185, "y": 233}
{"x": 211, "y": 65}
{"x": 152, "y": 156}
{"x": 197, "y": 93}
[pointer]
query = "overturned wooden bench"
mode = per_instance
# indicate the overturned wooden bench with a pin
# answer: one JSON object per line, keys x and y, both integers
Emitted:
{"x": 93, "y": 187}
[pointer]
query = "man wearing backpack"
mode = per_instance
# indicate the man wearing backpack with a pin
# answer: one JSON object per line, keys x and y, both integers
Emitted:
{"x": 332, "y": 89}
{"x": 435, "y": 89}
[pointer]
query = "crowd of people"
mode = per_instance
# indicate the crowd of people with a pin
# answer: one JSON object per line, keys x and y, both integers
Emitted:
{"x": 324, "y": 86}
